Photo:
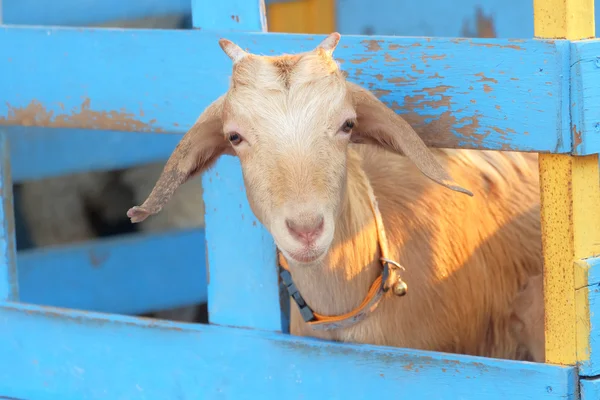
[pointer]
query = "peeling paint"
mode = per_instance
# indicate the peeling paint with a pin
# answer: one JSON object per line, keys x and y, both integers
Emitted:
{"x": 373, "y": 45}
{"x": 36, "y": 114}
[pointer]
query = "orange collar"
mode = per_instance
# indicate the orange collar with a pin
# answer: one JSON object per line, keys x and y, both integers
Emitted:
{"x": 389, "y": 278}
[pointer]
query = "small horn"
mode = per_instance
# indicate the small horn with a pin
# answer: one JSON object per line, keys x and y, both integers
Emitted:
{"x": 232, "y": 50}
{"x": 330, "y": 42}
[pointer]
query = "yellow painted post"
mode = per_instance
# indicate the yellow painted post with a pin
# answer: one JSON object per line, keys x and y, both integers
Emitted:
{"x": 570, "y": 206}
{"x": 302, "y": 16}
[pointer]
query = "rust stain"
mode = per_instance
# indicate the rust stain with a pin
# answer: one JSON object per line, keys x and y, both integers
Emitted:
{"x": 498, "y": 107}
{"x": 360, "y": 60}
{"x": 358, "y": 72}
{"x": 577, "y": 137}
{"x": 373, "y": 45}
{"x": 393, "y": 46}
{"x": 36, "y": 114}
{"x": 235, "y": 18}
{"x": 379, "y": 77}
{"x": 487, "y": 88}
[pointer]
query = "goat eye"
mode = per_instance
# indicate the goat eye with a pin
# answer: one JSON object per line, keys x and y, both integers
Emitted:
{"x": 235, "y": 138}
{"x": 348, "y": 125}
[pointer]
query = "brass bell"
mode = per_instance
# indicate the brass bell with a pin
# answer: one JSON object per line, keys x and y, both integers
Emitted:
{"x": 400, "y": 288}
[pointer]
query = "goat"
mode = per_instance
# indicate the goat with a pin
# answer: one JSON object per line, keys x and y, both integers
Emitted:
{"x": 528, "y": 318}
{"x": 323, "y": 162}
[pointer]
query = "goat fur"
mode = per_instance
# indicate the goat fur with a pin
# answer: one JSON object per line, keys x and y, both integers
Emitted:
{"x": 466, "y": 258}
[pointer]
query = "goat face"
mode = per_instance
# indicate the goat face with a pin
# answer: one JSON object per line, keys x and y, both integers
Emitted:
{"x": 289, "y": 119}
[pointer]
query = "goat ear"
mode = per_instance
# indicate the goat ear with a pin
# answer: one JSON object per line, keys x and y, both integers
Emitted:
{"x": 379, "y": 124}
{"x": 199, "y": 148}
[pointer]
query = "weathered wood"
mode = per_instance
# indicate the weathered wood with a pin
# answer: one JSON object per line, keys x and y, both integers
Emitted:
{"x": 585, "y": 95}
{"x": 38, "y": 153}
{"x": 590, "y": 389}
{"x": 243, "y": 285}
{"x": 81, "y": 13}
{"x": 136, "y": 274}
{"x": 570, "y": 205}
{"x": 8, "y": 267}
{"x": 96, "y": 356}
{"x": 474, "y": 93}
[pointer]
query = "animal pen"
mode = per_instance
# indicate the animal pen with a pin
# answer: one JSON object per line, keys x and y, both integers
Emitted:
{"x": 534, "y": 95}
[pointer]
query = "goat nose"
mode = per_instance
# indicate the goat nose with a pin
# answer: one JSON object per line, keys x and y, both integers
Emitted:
{"x": 307, "y": 230}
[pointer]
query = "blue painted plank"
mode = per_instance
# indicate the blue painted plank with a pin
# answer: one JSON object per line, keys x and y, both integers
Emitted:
{"x": 585, "y": 75}
{"x": 474, "y": 93}
{"x": 588, "y": 272}
{"x": 589, "y": 389}
{"x": 243, "y": 287}
{"x": 9, "y": 289}
{"x": 229, "y": 15}
{"x": 47, "y": 152}
{"x": 590, "y": 367}
{"x": 87, "y": 12}
{"x": 131, "y": 274}
{"x": 506, "y": 18}
{"x": 95, "y": 356}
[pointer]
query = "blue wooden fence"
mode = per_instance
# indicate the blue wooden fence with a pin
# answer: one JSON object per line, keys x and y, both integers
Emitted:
{"x": 62, "y": 79}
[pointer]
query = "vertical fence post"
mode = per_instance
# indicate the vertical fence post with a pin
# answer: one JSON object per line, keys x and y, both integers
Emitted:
{"x": 8, "y": 252}
{"x": 243, "y": 285}
{"x": 570, "y": 201}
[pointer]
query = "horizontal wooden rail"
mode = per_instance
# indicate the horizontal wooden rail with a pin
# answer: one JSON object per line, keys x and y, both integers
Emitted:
{"x": 131, "y": 274}
{"x": 48, "y": 152}
{"x": 88, "y": 355}
{"x": 486, "y": 94}
{"x": 590, "y": 389}
{"x": 72, "y": 12}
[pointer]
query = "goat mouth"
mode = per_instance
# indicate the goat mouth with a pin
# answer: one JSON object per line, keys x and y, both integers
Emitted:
{"x": 306, "y": 256}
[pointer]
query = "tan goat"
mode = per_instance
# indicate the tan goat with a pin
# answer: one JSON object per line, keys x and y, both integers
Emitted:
{"x": 292, "y": 121}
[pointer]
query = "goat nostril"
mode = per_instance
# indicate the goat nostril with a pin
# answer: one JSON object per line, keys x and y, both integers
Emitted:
{"x": 307, "y": 231}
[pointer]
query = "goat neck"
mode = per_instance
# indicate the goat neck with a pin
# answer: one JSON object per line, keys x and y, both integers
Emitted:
{"x": 349, "y": 282}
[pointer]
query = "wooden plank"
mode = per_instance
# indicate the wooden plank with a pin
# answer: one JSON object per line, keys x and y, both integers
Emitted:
{"x": 9, "y": 289}
{"x": 130, "y": 274}
{"x": 229, "y": 15}
{"x": 88, "y": 12}
{"x": 585, "y": 65}
{"x": 470, "y": 18}
{"x": 587, "y": 272}
{"x": 570, "y": 206}
{"x": 97, "y": 356}
{"x": 243, "y": 287}
{"x": 302, "y": 16}
{"x": 473, "y": 93}
{"x": 589, "y": 389}
{"x": 47, "y": 152}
